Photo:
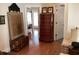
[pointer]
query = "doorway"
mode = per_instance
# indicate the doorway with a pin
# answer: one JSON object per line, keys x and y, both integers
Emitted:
{"x": 33, "y": 23}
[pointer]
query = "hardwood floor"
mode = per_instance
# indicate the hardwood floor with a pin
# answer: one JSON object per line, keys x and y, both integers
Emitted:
{"x": 44, "y": 48}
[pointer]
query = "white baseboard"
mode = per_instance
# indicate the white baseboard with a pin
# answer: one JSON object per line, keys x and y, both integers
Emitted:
{"x": 5, "y": 50}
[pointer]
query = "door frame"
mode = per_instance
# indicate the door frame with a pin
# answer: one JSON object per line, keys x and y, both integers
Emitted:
{"x": 25, "y": 12}
{"x": 32, "y": 20}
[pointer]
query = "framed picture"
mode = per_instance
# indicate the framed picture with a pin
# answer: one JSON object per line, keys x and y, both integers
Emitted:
{"x": 2, "y": 19}
{"x": 44, "y": 10}
{"x": 50, "y": 9}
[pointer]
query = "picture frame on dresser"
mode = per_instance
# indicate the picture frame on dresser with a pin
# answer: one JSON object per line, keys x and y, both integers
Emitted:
{"x": 50, "y": 10}
{"x": 44, "y": 9}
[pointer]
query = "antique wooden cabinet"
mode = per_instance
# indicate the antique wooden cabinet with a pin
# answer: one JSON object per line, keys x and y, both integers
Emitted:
{"x": 47, "y": 27}
{"x": 15, "y": 24}
{"x": 16, "y": 30}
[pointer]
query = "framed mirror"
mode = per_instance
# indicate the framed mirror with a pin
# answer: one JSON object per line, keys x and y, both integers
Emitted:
{"x": 2, "y": 19}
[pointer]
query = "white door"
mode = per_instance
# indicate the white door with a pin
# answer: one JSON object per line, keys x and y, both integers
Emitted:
{"x": 59, "y": 22}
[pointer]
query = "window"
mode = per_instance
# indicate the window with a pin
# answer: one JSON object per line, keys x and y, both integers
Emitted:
{"x": 29, "y": 17}
{"x": 35, "y": 17}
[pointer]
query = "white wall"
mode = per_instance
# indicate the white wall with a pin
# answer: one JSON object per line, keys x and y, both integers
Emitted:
{"x": 4, "y": 31}
{"x": 4, "y": 35}
{"x": 65, "y": 20}
{"x": 71, "y": 20}
{"x": 73, "y": 16}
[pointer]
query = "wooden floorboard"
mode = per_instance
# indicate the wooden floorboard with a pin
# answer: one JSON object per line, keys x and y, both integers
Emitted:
{"x": 44, "y": 48}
